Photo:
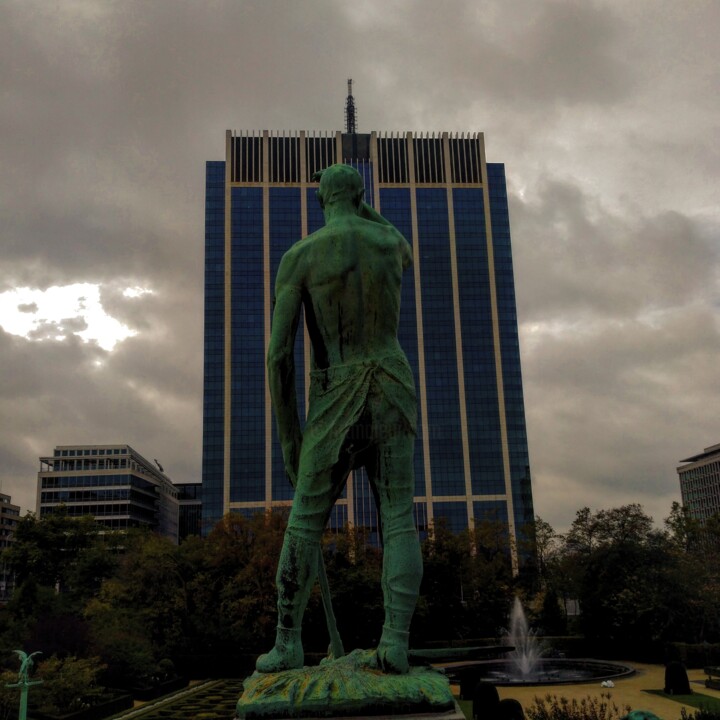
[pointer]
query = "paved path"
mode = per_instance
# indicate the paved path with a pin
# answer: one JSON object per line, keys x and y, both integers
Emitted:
{"x": 627, "y": 691}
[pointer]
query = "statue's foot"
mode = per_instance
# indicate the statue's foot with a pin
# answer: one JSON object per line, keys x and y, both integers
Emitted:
{"x": 279, "y": 659}
{"x": 392, "y": 659}
{"x": 392, "y": 652}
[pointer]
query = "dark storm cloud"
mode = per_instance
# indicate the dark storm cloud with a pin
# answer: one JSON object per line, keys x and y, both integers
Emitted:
{"x": 578, "y": 259}
{"x": 620, "y": 335}
{"x": 603, "y": 113}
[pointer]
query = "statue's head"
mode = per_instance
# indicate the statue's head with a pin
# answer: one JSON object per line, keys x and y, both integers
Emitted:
{"x": 340, "y": 183}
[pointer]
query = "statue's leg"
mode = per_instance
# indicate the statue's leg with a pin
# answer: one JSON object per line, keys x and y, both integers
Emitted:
{"x": 315, "y": 496}
{"x": 391, "y": 472}
{"x": 296, "y": 573}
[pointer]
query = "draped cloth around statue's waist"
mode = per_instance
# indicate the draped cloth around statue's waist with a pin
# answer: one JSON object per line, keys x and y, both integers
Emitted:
{"x": 339, "y": 396}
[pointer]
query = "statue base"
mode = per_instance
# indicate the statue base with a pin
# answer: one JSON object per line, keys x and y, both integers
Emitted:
{"x": 346, "y": 687}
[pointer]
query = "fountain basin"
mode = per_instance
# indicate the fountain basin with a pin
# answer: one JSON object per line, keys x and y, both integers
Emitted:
{"x": 547, "y": 671}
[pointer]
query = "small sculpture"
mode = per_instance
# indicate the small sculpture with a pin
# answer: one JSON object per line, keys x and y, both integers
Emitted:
{"x": 24, "y": 682}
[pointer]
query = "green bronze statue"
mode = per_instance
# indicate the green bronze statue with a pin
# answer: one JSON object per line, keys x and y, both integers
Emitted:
{"x": 362, "y": 410}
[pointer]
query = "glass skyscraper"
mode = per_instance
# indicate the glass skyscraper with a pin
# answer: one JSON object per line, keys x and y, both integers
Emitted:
{"x": 458, "y": 322}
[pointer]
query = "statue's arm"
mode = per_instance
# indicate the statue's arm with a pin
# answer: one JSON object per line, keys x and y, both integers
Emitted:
{"x": 368, "y": 213}
{"x": 281, "y": 363}
{"x": 406, "y": 251}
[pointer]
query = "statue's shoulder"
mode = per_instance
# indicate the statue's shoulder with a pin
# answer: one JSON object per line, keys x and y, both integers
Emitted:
{"x": 310, "y": 244}
{"x": 292, "y": 263}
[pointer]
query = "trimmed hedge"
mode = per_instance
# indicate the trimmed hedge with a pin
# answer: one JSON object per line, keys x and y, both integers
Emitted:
{"x": 695, "y": 655}
{"x": 112, "y": 706}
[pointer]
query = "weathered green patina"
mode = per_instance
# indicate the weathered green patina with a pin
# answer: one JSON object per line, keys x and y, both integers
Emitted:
{"x": 24, "y": 682}
{"x": 349, "y": 686}
{"x": 362, "y": 411}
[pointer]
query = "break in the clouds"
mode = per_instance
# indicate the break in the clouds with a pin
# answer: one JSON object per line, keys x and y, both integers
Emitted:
{"x": 604, "y": 113}
{"x": 61, "y": 311}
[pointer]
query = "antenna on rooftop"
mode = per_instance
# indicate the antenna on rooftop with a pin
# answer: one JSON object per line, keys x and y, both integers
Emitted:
{"x": 350, "y": 117}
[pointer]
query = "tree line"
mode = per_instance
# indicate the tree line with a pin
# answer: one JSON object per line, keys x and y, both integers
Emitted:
{"x": 637, "y": 585}
{"x": 137, "y": 605}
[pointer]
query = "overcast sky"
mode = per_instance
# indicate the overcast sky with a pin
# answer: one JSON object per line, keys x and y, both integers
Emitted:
{"x": 605, "y": 114}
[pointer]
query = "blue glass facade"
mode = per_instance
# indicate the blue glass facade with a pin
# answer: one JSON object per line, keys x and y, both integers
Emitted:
{"x": 214, "y": 341}
{"x": 510, "y": 346}
{"x": 458, "y": 322}
{"x": 443, "y": 394}
{"x": 247, "y": 465}
{"x": 395, "y": 203}
{"x": 285, "y": 229}
{"x": 481, "y": 394}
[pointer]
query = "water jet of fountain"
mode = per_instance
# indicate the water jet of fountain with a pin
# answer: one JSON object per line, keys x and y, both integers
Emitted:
{"x": 528, "y": 652}
{"x": 526, "y": 664}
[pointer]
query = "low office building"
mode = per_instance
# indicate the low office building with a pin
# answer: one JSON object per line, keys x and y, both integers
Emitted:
{"x": 9, "y": 518}
{"x": 700, "y": 483}
{"x": 112, "y": 483}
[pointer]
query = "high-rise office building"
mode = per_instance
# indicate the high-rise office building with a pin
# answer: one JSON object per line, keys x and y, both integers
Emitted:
{"x": 458, "y": 322}
{"x": 700, "y": 483}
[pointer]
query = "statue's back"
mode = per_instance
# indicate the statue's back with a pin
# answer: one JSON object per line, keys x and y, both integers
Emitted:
{"x": 353, "y": 271}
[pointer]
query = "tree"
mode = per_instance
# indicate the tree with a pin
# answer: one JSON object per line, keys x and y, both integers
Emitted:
{"x": 467, "y": 583}
{"x": 697, "y": 548}
{"x": 238, "y": 580}
{"x": 631, "y": 579}
{"x": 441, "y": 613}
{"x": 9, "y": 697}
{"x": 684, "y": 531}
{"x": 47, "y": 549}
{"x": 148, "y": 596}
{"x": 545, "y": 545}
{"x": 490, "y": 574}
{"x": 552, "y": 618}
{"x": 354, "y": 569}
{"x": 582, "y": 538}
{"x": 59, "y": 563}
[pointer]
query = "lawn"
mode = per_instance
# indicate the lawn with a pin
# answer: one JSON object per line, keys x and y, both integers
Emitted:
{"x": 696, "y": 700}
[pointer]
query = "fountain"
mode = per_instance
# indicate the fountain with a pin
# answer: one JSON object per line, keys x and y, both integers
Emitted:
{"x": 528, "y": 652}
{"x": 528, "y": 664}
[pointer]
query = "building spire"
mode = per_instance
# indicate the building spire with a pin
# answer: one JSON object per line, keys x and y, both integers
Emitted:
{"x": 350, "y": 115}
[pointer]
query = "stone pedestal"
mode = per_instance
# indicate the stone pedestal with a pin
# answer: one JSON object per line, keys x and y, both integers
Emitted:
{"x": 348, "y": 687}
{"x": 454, "y": 714}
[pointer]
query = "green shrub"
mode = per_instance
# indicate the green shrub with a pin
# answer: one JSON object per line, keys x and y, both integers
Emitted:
{"x": 701, "y": 714}
{"x": 69, "y": 684}
{"x": 694, "y": 655}
{"x": 551, "y": 707}
{"x": 9, "y": 697}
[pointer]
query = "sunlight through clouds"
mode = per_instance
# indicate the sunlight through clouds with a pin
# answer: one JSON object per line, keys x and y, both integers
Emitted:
{"x": 60, "y": 311}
